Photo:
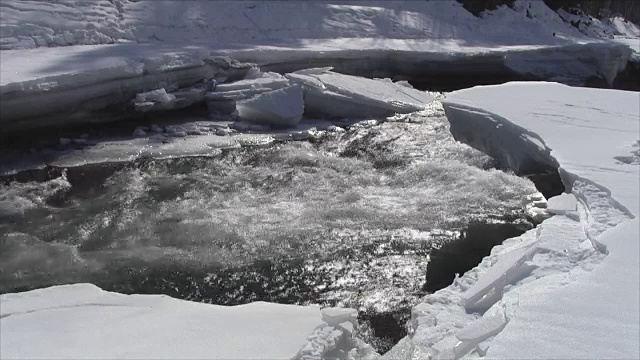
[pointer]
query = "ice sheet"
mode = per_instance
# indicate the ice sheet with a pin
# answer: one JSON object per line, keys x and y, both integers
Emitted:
{"x": 82, "y": 321}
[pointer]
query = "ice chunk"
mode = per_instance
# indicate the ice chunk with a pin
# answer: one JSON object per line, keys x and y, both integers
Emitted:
{"x": 259, "y": 83}
{"x": 507, "y": 269}
{"x": 562, "y": 203}
{"x": 159, "y": 96}
{"x": 483, "y": 328}
{"x": 477, "y": 332}
{"x": 283, "y": 107}
{"x": 344, "y": 96}
{"x": 335, "y": 316}
{"x": 306, "y": 80}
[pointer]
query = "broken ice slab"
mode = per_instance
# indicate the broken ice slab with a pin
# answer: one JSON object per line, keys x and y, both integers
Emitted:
{"x": 345, "y": 96}
{"x": 562, "y": 204}
{"x": 336, "y": 315}
{"x": 509, "y": 268}
{"x": 282, "y": 107}
{"x": 224, "y": 103}
{"x": 478, "y": 331}
{"x": 157, "y": 147}
{"x": 271, "y": 83}
{"x": 158, "y": 96}
{"x": 224, "y": 97}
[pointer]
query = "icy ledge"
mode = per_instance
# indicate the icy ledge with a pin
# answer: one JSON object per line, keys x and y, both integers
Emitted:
{"x": 569, "y": 288}
{"x": 84, "y": 321}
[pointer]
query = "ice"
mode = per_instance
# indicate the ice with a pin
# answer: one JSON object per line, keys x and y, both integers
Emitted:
{"x": 77, "y": 94}
{"x": 508, "y": 268}
{"x": 562, "y": 204}
{"x": 283, "y": 107}
{"x": 337, "y": 95}
{"x": 160, "y": 100}
{"x": 569, "y": 288}
{"x": 258, "y": 83}
{"x": 179, "y": 141}
{"x": 335, "y": 316}
{"x": 147, "y": 326}
{"x": 159, "y": 96}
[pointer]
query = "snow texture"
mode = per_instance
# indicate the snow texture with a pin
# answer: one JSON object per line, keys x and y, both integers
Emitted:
{"x": 569, "y": 288}
{"x": 146, "y": 326}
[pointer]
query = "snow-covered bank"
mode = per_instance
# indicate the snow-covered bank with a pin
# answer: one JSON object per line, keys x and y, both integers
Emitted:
{"x": 30, "y": 24}
{"x": 70, "y": 78}
{"x": 89, "y": 84}
{"x": 83, "y": 321}
{"x": 568, "y": 288}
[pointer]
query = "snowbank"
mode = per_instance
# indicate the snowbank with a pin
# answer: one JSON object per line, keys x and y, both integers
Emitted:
{"x": 83, "y": 321}
{"x": 29, "y": 24}
{"x": 52, "y": 87}
{"x": 624, "y": 27}
{"x": 568, "y": 288}
{"x": 171, "y": 44}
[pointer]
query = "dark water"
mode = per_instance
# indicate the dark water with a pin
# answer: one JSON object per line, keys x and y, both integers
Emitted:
{"x": 347, "y": 221}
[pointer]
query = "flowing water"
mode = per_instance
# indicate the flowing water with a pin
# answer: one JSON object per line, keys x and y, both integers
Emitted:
{"x": 347, "y": 220}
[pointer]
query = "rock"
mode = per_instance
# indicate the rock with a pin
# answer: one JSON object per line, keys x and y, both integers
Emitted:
{"x": 65, "y": 141}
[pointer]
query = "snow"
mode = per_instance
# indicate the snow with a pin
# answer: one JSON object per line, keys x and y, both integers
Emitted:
{"x": 176, "y": 40}
{"x": 569, "y": 288}
{"x": 83, "y": 321}
{"x": 78, "y": 22}
{"x": 624, "y": 27}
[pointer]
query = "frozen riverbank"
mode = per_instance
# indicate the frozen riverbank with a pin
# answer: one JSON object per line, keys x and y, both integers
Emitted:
{"x": 570, "y": 287}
